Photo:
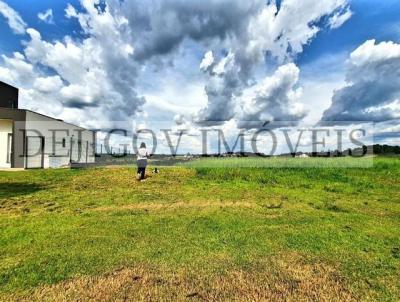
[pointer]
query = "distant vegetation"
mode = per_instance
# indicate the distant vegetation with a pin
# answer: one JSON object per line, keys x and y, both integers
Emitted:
{"x": 385, "y": 149}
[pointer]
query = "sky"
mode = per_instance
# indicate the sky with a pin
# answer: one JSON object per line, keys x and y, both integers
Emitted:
{"x": 210, "y": 63}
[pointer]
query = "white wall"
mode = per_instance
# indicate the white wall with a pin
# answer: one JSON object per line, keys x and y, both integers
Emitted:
{"x": 44, "y": 125}
{"x": 6, "y": 127}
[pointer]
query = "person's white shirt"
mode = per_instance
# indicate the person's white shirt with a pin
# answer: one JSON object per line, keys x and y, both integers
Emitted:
{"x": 142, "y": 154}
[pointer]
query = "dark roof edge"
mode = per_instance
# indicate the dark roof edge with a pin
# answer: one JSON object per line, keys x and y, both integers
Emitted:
{"x": 11, "y": 86}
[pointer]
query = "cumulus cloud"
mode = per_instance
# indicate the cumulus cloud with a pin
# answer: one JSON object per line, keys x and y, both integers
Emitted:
{"x": 285, "y": 30}
{"x": 48, "y": 84}
{"x": 222, "y": 86}
{"x": 252, "y": 27}
{"x": 276, "y": 100}
{"x": 246, "y": 30}
{"x": 13, "y": 18}
{"x": 164, "y": 25}
{"x": 16, "y": 69}
{"x": 372, "y": 92}
{"x": 46, "y": 16}
{"x": 36, "y": 89}
{"x": 97, "y": 72}
{"x": 282, "y": 32}
{"x": 96, "y": 76}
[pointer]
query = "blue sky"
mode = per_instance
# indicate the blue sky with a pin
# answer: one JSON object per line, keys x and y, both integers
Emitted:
{"x": 29, "y": 10}
{"x": 371, "y": 19}
{"x": 205, "y": 61}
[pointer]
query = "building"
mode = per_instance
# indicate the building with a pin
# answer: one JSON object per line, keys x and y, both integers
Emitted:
{"x": 302, "y": 155}
{"x": 32, "y": 140}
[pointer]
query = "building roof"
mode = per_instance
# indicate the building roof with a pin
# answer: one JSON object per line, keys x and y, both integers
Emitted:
{"x": 58, "y": 120}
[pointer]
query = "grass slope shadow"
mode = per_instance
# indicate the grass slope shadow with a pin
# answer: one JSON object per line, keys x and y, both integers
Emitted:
{"x": 15, "y": 189}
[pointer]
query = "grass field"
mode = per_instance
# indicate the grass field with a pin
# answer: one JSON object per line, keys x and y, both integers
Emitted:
{"x": 280, "y": 162}
{"x": 198, "y": 233}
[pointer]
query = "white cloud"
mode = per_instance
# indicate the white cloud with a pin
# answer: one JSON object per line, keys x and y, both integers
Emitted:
{"x": 95, "y": 77}
{"x": 97, "y": 72}
{"x": 179, "y": 119}
{"x": 13, "y": 18}
{"x": 370, "y": 53}
{"x": 247, "y": 29}
{"x": 283, "y": 32}
{"x": 207, "y": 61}
{"x": 276, "y": 99}
{"x": 372, "y": 90}
{"x": 70, "y": 12}
{"x": 223, "y": 84}
{"x": 317, "y": 97}
{"x": 48, "y": 84}
{"x": 17, "y": 70}
{"x": 47, "y": 16}
{"x": 286, "y": 30}
{"x": 339, "y": 18}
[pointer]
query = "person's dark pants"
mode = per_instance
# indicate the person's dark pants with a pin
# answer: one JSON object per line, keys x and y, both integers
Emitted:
{"x": 142, "y": 163}
{"x": 142, "y": 172}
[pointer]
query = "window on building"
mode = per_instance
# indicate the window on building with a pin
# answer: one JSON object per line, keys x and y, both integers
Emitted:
{"x": 9, "y": 148}
{"x": 64, "y": 142}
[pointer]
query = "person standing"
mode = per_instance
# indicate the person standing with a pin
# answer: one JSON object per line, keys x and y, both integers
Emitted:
{"x": 142, "y": 156}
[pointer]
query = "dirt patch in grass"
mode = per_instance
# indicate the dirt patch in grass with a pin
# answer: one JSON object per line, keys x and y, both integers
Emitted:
{"x": 282, "y": 279}
{"x": 176, "y": 205}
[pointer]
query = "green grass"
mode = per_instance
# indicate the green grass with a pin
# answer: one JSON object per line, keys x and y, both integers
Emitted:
{"x": 281, "y": 162}
{"x": 56, "y": 225}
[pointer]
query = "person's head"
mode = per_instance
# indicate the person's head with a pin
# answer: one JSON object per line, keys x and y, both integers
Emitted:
{"x": 142, "y": 145}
